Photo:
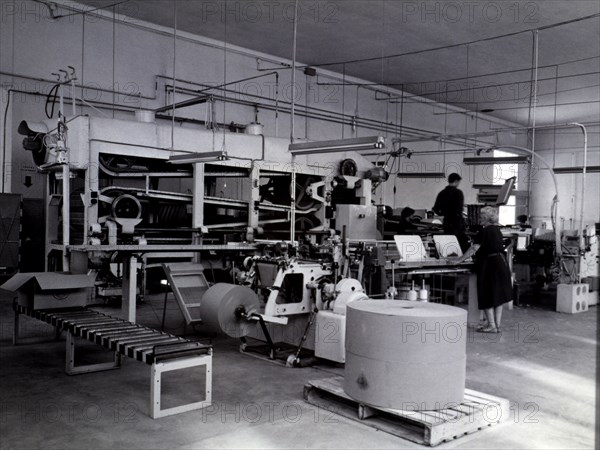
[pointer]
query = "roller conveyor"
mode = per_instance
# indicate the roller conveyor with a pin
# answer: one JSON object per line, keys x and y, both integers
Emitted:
{"x": 163, "y": 351}
{"x": 116, "y": 334}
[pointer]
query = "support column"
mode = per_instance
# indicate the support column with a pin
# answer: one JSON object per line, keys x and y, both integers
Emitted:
{"x": 66, "y": 214}
{"x": 253, "y": 214}
{"x": 198, "y": 206}
{"x": 129, "y": 287}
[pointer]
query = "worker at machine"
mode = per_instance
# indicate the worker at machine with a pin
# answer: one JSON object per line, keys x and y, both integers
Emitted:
{"x": 405, "y": 224}
{"x": 450, "y": 203}
{"x": 494, "y": 285}
{"x": 522, "y": 222}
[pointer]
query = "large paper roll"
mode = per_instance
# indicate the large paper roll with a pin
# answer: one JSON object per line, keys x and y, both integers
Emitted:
{"x": 221, "y": 305}
{"x": 405, "y": 355}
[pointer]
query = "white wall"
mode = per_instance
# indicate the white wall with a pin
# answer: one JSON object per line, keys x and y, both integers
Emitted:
{"x": 33, "y": 45}
{"x": 565, "y": 149}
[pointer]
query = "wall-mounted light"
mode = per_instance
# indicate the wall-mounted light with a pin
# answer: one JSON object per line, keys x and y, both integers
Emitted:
{"x": 338, "y": 145}
{"x": 588, "y": 169}
{"x": 485, "y": 160}
{"x": 191, "y": 158}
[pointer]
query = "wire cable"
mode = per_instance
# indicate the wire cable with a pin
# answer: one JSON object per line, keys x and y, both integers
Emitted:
{"x": 445, "y": 47}
{"x": 5, "y": 168}
{"x": 83, "y": 12}
{"x": 51, "y": 99}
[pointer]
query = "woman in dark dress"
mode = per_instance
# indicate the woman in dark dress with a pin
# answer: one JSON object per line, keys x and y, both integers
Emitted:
{"x": 494, "y": 282}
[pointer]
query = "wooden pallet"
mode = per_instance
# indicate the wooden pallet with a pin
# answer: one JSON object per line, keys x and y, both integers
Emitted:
{"x": 478, "y": 411}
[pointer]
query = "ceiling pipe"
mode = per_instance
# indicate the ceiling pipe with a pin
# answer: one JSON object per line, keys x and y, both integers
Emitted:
{"x": 319, "y": 113}
{"x": 293, "y": 110}
{"x": 585, "y": 141}
{"x": 532, "y": 109}
{"x": 492, "y": 131}
{"x": 360, "y": 122}
{"x": 292, "y": 116}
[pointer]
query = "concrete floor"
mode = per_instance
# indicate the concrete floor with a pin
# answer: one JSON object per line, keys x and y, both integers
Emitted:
{"x": 544, "y": 363}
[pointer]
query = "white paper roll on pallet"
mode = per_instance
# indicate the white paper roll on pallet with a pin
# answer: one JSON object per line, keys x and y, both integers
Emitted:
{"x": 219, "y": 305}
{"x": 405, "y": 355}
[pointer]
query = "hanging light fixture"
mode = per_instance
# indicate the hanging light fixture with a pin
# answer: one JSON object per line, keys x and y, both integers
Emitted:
{"x": 338, "y": 145}
{"x": 579, "y": 169}
{"x": 485, "y": 160}
{"x": 191, "y": 158}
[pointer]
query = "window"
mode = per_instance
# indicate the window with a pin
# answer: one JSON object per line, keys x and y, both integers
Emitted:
{"x": 507, "y": 213}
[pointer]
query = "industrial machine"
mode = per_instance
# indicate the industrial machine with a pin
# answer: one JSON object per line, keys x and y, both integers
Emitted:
{"x": 287, "y": 245}
{"x": 125, "y": 196}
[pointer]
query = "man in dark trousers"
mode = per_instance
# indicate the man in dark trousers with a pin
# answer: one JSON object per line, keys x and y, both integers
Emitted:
{"x": 450, "y": 203}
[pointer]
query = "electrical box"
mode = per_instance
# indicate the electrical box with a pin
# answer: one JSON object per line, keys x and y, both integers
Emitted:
{"x": 330, "y": 336}
{"x": 10, "y": 227}
{"x": 50, "y": 290}
{"x": 360, "y": 221}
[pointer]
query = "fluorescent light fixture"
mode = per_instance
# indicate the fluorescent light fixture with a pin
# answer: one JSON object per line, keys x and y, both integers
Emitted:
{"x": 190, "y": 102}
{"x": 191, "y": 158}
{"x": 487, "y": 186}
{"x": 588, "y": 169}
{"x": 338, "y": 145}
{"x": 484, "y": 160}
{"x": 422, "y": 175}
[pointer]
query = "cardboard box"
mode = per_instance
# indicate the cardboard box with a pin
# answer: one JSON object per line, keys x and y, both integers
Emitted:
{"x": 50, "y": 290}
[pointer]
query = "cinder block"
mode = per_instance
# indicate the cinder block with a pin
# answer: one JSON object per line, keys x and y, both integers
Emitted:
{"x": 592, "y": 298}
{"x": 572, "y": 298}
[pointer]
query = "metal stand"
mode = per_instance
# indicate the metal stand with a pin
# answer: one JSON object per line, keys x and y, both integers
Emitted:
{"x": 129, "y": 287}
{"x": 272, "y": 349}
{"x": 71, "y": 369}
{"x": 164, "y": 315}
{"x": 164, "y": 352}
{"x": 155, "y": 387}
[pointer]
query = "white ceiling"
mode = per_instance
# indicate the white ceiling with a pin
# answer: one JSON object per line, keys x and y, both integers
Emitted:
{"x": 336, "y": 31}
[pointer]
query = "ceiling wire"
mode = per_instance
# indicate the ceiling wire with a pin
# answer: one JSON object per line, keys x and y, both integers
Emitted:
{"x": 113, "y": 5}
{"x": 532, "y": 110}
{"x": 445, "y": 47}
{"x": 559, "y": 91}
{"x": 114, "y": 44}
{"x": 82, "y": 81}
{"x": 590, "y": 102}
{"x": 555, "y": 108}
{"x": 467, "y": 78}
{"x": 174, "y": 66}
{"x": 442, "y": 142}
{"x": 453, "y": 91}
{"x": 223, "y": 148}
{"x": 484, "y": 75}
{"x": 343, "y": 100}
{"x": 294, "y": 48}
{"x": 387, "y": 104}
